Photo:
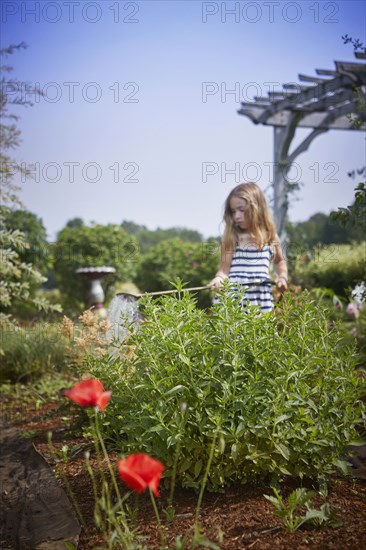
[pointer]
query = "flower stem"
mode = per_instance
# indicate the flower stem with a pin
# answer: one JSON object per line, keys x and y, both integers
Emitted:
{"x": 176, "y": 458}
{"x": 97, "y": 516}
{"x": 106, "y": 456}
{"x": 68, "y": 487}
{"x": 162, "y": 535}
{"x": 113, "y": 477}
{"x": 204, "y": 481}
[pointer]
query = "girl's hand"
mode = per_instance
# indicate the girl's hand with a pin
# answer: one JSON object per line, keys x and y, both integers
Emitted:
{"x": 281, "y": 283}
{"x": 216, "y": 283}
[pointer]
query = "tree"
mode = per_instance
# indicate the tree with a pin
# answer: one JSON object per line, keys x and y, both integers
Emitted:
{"x": 19, "y": 279}
{"x": 132, "y": 228}
{"x": 355, "y": 214}
{"x": 75, "y": 222}
{"x": 322, "y": 229}
{"x": 149, "y": 239}
{"x": 193, "y": 263}
{"x": 92, "y": 246}
{"x": 35, "y": 233}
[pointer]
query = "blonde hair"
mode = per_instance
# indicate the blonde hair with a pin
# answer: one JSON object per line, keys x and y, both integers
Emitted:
{"x": 261, "y": 223}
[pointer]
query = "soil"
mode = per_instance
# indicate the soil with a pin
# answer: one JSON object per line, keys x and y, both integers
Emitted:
{"x": 240, "y": 518}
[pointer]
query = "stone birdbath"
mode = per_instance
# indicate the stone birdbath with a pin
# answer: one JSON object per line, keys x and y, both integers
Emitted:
{"x": 94, "y": 275}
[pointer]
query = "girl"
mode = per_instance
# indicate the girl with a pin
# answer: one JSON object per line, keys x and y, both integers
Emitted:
{"x": 249, "y": 244}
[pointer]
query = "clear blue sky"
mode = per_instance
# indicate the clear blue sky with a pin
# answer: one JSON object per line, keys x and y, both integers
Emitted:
{"x": 137, "y": 103}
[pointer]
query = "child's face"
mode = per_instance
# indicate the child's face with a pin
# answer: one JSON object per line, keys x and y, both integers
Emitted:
{"x": 239, "y": 212}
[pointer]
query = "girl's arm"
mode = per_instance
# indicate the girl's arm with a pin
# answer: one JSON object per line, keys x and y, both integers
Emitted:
{"x": 280, "y": 267}
{"x": 224, "y": 269}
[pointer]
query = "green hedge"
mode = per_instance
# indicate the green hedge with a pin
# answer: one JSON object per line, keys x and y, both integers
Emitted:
{"x": 275, "y": 394}
{"x": 31, "y": 352}
{"x": 193, "y": 263}
{"x": 337, "y": 267}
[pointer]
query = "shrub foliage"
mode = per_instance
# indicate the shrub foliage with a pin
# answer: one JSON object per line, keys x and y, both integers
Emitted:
{"x": 336, "y": 267}
{"x": 275, "y": 394}
{"x": 195, "y": 263}
{"x": 95, "y": 246}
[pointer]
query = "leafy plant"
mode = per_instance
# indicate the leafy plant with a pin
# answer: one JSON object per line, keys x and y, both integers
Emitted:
{"x": 148, "y": 239}
{"x": 320, "y": 229}
{"x": 355, "y": 214}
{"x": 291, "y": 515}
{"x": 94, "y": 246}
{"x": 277, "y": 391}
{"x": 34, "y": 231}
{"x": 19, "y": 279}
{"x": 336, "y": 267}
{"x": 31, "y": 352}
{"x": 350, "y": 316}
{"x": 194, "y": 263}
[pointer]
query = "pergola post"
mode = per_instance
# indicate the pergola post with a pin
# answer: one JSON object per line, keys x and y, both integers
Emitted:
{"x": 279, "y": 181}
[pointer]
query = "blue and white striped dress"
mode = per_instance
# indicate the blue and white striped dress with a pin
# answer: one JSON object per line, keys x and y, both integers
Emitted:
{"x": 251, "y": 264}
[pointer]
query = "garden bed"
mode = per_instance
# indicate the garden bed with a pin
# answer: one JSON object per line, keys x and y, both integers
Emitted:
{"x": 239, "y": 518}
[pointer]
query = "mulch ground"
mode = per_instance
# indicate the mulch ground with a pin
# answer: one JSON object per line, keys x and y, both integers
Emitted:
{"x": 240, "y": 518}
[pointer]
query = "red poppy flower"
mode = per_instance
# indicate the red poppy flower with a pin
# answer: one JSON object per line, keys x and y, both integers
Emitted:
{"x": 140, "y": 471}
{"x": 89, "y": 393}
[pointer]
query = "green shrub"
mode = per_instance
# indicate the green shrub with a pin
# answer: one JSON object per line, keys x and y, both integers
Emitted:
{"x": 351, "y": 322}
{"x": 95, "y": 246}
{"x": 29, "y": 353}
{"x": 276, "y": 393}
{"x": 194, "y": 263}
{"x": 336, "y": 267}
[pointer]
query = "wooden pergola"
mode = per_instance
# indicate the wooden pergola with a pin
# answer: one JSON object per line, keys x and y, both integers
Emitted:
{"x": 328, "y": 101}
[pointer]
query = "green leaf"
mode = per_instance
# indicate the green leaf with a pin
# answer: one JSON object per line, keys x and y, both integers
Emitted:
{"x": 234, "y": 451}
{"x": 283, "y": 450}
{"x": 197, "y": 468}
{"x": 185, "y": 465}
{"x": 185, "y": 359}
{"x": 299, "y": 497}
{"x": 282, "y": 417}
{"x": 284, "y": 470}
{"x": 141, "y": 387}
{"x": 275, "y": 501}
{"x": 311, "y": 403}
{"x": 343, "y": 466}
{"x": 321, "y": 442}
{"x": 155, "y": 429}
{"x": 179, "y": 388}
{"x": 357, "y": 443}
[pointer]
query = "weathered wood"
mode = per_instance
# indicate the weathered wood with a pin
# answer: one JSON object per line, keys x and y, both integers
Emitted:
{"x": 305, "y": 78}
{"x": 326, "y": 72}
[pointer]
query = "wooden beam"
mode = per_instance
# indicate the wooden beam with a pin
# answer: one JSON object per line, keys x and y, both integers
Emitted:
{"x": 342, "y": 81}
{"x": 326, "y": 105}
{"x": 326, "y": 72}
{"x": 297, "y": 87}
{"x": 260, "y": 99}
{"x": 315, "y": 79}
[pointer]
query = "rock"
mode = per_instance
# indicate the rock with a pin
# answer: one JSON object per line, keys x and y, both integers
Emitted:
{"x": 35, "y": 510}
